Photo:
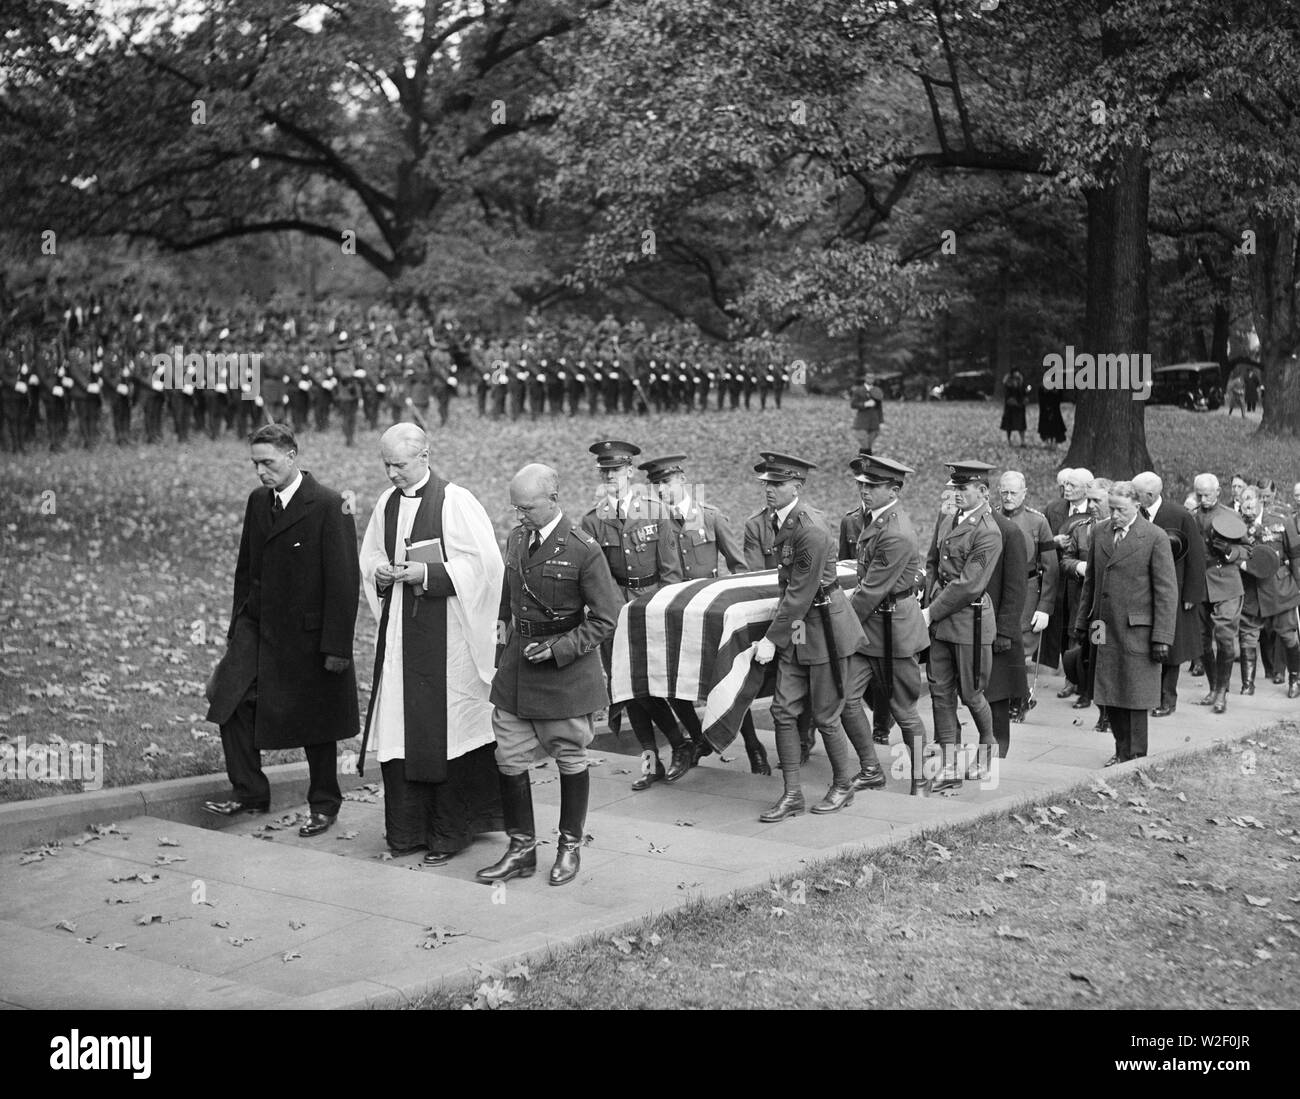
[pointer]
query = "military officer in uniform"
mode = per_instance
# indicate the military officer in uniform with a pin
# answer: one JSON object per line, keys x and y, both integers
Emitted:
{"x": 692, "y": 537}
{"x": 1270, "y": 588}
{"x": 959, "y": 615}
{"x": 1223, "y": 531}
{"x": 812, "y": 636}
{"x": 626, "y": 526}
{"x": 889, "y": 563}
{"x": 559, "y": 604}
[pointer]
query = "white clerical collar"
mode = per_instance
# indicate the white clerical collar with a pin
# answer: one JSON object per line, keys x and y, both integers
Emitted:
{"x": 416, "y": 488}
{"x": 881, "y": 510}
{"x": 286, "y": 494}
{"x": 784, "y": 513}
{"x": 545, "y": 532}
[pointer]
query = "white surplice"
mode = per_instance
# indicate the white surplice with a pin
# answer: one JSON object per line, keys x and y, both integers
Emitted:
{"x": 476, "y": 569}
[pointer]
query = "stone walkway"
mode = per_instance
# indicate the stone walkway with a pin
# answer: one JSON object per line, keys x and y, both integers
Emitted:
{"x": 250, "y": 915}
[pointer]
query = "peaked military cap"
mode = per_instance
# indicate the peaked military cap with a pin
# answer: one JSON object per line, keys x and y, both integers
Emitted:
{"x": 871, "y": 469}
{"x": 967, "y": 472}
{"x": 612, "y": 453}
{"x": 660, "y": 469}
{"x": 782, "y": 467}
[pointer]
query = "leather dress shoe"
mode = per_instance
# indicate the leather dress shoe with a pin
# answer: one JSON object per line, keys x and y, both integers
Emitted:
{"x": 948, "y": 779}
{"x": 837, "y": 797}
{"x": 233, "y": 808}
{"x": 869, "y": 778}
{"x": 790, "y": 805}
{"x": 1103, "y": 724}
{"x": 319, "y": 823}
{"x": 683, "y": 760}
{"x": 1279, "y": 677}
{"x": 699, "y": 749}
{"x": 880, "y": 736}
{"x": 649, "y": 778}
{"x": 1082, "y": 703}
{"x": 1067, "y": 690}
{"x": 1197, "y": 669}
{"x": 1220, "y": 702}
{"x": 1208, "y": 700}
{"x": 758, "y": 764}
{"x": 519, "y": 861}
{"x": 438, "y": 858}
{"x": 1111, "y": 762}
{"x": 567, "y": 859}
{"x": 1163, "y": 711}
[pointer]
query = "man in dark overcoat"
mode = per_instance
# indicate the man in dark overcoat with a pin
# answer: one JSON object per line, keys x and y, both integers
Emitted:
{"x": 1128, "y": 609}
{"x": 287, "y": 679}
{"x": 1189, "y": 567}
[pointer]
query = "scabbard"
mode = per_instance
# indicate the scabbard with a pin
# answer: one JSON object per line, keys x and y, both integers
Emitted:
{"x": 976, "y": 646}
{"x": 887, "y": 618}
{"x": 824, "y": 610}
{"x": 380, "y": 646}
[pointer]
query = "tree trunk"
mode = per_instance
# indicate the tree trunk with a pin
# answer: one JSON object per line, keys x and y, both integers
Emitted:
{"x": 1273, "y": 293}
{"x": 1109, "y": 426}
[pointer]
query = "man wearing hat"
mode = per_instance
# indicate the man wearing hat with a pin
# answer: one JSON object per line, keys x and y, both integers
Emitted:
{"x": 626, "y": 525}
{"x": 1127, "y": 610}
{"x": 889, "y": 563}
{"x": 1223, "y": 532}
{"x": 1270, "y": 590}
{"x": 1189, "y": 567}
{"x": 959, "y": 615}
{"x": 813, "y": 633}
{"x": 692, "y": 536}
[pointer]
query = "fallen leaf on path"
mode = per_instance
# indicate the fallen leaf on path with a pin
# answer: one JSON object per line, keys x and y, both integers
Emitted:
{"x": 1005, "y": 931}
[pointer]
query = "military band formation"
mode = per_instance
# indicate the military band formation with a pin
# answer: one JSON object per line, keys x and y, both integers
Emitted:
{"x": 66, "y": 358}
{"x": 486, "y": 665}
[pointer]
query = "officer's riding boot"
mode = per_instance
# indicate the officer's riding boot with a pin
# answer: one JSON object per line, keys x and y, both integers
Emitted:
{"x": 1249, "y": 658}
{"x": 1211, "y": 677}
{"x": 520, "y": 859}
{"x": 574, "y": 791}
{"x": 1223, "y": 681}
{"x": 920, "y": 754}
{"x": 950, "y": 778}
{"x": 1293, "y": 673}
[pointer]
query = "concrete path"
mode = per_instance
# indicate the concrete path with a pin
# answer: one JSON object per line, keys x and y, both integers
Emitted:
{"x": 250, "y": 915}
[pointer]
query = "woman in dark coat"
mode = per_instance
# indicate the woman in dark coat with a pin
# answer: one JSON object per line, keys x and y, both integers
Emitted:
{"x": 1051, "y": 425}
{"x": 1014, "y": 391}
{"x": 1007, "y": 678}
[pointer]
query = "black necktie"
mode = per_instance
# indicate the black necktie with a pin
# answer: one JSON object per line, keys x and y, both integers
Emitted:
{"x": 957, "y": 517}
{"x": 277, "y": 508}
{"x": 1144, "y": 513}
{"x": 776, "y": 525}
{"x": 534, "y": 543}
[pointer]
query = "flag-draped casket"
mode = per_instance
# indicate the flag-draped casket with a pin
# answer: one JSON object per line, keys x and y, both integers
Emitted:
{"x": 694, "y": 640}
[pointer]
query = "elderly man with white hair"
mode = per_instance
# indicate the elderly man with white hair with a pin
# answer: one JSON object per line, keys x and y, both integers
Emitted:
{"x": 1189, "y": 567}
{"x": 1222, "y": 528}
{"x": 432, "y": 573}
{"x": 1042, "y": 568}
{"x": 1063, "y": 516}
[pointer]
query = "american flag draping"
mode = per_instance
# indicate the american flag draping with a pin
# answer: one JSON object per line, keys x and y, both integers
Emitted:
{"x": 694, "y": 640}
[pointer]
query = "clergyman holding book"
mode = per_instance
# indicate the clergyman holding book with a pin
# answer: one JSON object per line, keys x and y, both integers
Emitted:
{"x": 431, "y": 571}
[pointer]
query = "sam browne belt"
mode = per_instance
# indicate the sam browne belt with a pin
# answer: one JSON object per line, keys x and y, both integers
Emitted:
{"x": 525, "y": 628}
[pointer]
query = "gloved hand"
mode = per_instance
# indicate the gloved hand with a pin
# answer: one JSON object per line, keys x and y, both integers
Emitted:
{"x": 1039, "y": 621}
{"x": 1159, "y": 653}
{"x": 1001, "y": 644}
{"x": 764, "y": 650}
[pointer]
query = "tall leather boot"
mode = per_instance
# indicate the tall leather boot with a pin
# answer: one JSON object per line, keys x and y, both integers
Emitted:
{"x": 520, "y": 859}
{"x": 1249, "y": 659}
{"x": 1293, "y": 673}
{"x": 1211, "y": 675}
{"x": 1223, "y": 680}
{"x": 574, "y": 792}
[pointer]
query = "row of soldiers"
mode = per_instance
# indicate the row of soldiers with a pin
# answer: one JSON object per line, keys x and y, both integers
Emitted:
{"x": 64, "y": 376}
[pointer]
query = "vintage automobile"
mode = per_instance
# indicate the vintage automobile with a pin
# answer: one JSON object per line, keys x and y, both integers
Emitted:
{"x": 969, "y": 385}
{"x": 1197, "y": 387}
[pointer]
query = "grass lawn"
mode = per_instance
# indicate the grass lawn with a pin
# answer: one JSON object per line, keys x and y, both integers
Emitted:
{"x": 116, "y": 566}
{"x": 1178, "y": 887}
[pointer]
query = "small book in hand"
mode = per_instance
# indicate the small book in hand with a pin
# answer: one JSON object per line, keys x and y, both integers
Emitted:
{"x": 428, "y": 551}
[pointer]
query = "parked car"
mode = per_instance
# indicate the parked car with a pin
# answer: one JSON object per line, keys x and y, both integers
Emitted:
{"x": 969, "y": 385}
{"x": 1197, "y": 387}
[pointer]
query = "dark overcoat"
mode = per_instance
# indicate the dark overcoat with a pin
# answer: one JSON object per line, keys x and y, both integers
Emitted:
{"x": 1132, "y": 591}
{"x": 1190, "y": 573}
{"x": 298, "y": 579}
{"x": 1007, "y": 589}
